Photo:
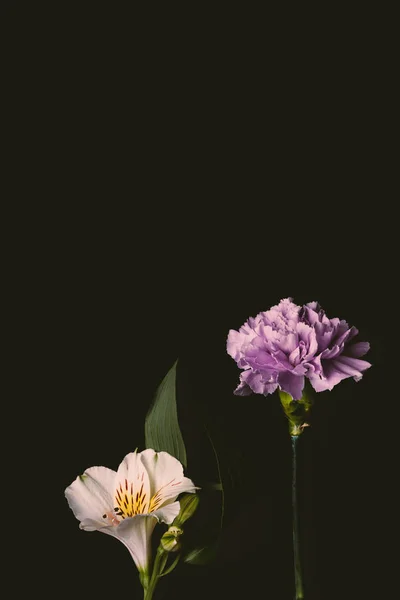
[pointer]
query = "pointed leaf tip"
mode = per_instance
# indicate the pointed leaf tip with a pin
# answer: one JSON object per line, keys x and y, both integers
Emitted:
{"x": 162, "y": 431}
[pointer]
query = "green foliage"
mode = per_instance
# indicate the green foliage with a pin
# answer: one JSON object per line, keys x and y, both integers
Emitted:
{"x": 188, "y": 505}
{"x": 202, "y": 556}
{"x": 162, "y": 431}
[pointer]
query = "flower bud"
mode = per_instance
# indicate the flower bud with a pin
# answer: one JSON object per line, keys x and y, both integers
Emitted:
{"x": 189, "y": 503}
{"x": 170, "y": 540}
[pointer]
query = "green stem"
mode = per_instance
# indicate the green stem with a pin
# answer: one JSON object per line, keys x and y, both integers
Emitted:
{"x": 149, "y": 590}
{"x": 296, "y": 543}
{"x": 158, "y": 567}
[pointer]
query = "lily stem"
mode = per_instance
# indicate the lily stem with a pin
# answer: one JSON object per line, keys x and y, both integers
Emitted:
{"x": 296, "y": 542}
{"x": 158, "y": 567}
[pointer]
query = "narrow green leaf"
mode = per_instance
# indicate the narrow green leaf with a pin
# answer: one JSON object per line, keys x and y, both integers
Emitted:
{"x": 161, "y": 426}
{"x": 171, "y": 567}
{"x": 202, "y": 556}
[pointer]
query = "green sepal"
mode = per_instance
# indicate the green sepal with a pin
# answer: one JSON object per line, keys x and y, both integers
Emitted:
{"x": 297, "y": 411}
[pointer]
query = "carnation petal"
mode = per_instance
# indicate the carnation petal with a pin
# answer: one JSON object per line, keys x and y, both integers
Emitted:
{"x": 243, "y": 390}
{"x": 330, "y": 353}
{"x": 291, "y": 384}
{"x": 234, "y": 344}
{"x": 353, "y": 367}
{"x": 254, "y": 381}
{"x": 311, "y": 312}
{"x": 288, "y": 343}
{"x": 358, "y": 349}
{"x": 259, "y": 359}
{"x": 328, "y": 379}
{"x": 334, "y": 371}
{"x": 308, "y": 335}
{"x": 259, "y": 383}
{"x": 294, "y": 357}
{"x": 342, "y": 337}
{"x": 323, "y": 335}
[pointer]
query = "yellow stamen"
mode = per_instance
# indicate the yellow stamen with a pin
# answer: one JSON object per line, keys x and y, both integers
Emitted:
{"x": 129, "y": 501}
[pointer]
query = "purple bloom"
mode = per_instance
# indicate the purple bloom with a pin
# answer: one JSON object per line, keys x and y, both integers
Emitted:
{"x": 336, "y": 358}
{"x": 287, "y": 343}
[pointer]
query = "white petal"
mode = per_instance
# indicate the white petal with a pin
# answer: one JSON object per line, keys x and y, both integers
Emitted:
{"x": 167, "y": 513}
{"x": 166, "y": 477}
{"x": 90, "y": 496}
{"x": 132, "y": 486}
{"x": 135, "y": 534}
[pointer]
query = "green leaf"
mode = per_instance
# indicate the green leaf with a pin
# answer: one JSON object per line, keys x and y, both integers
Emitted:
{"x": 161, "y": 428}
{"x": 171, "y": 567}
{"x": 202, "y": 556}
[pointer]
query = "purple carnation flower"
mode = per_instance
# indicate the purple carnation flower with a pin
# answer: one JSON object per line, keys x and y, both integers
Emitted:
{"x": 336, "y": 358}
{"x": 287, "y": 343}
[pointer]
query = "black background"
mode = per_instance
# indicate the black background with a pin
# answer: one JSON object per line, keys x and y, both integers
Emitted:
{"x": 180, "y": 183}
